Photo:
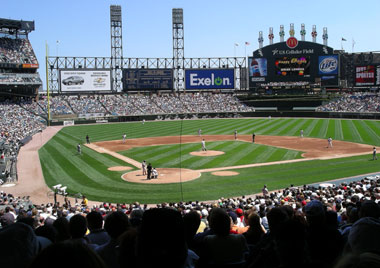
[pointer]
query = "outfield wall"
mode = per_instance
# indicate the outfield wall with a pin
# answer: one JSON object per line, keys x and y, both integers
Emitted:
{"x": 271, "y": 113}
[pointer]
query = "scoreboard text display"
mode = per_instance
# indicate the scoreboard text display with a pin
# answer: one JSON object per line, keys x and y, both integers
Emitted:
{"x": 147, "y": 79}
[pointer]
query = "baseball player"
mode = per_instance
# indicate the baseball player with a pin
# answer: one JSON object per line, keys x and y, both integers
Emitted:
{"x": 199, "y": 132}
{"x": 79, "y": 149}
{"x": 124, "y": 137}
{"x": 253, "y": 138}
{"x": 154, "y": 173}
{"x": 235, "y": 134}
{"x": 204, "y": 145}
{"x": 265, "y": 190}
{"x": 374, "y": 156}
{"x": 87, "y": 139}
{"x": 301, "y": 133}
{"x": 329, "y": 142}
{"x": 143, "y": 167}
{"x": 143, "y": 122}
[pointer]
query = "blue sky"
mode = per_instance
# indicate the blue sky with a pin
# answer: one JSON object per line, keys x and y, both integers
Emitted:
{"x": 211, "y": 27}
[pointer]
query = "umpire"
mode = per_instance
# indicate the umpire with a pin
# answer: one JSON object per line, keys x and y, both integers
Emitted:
{"x": 149, "y": 171}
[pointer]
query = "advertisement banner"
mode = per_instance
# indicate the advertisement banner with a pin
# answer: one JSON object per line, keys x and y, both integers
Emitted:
{"x": 210, "y": 78}
{"x": 328, "y": 65}
{"x": 365, "y": 75}
{"x": 85, "y": 80}
{"x": 257, "y": 67}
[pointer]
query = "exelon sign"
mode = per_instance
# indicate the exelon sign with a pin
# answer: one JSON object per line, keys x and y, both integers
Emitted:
{"x": 209, "y": 79}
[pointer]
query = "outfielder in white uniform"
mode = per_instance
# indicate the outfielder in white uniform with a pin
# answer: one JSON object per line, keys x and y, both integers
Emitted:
{"x": 199, "y": 132}
{"x": 301, "y": 132}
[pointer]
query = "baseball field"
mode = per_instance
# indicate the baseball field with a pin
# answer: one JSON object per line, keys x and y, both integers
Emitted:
{"x": 109, "y": 170}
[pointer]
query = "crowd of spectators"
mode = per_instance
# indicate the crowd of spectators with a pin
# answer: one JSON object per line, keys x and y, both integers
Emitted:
{"x": 329, "y": 226}
{"x": 136, "y": 104}
{"x": 364, "y": 102}
{"x": 16, "y": 78}
{"x": 18, "y": 51}
{"x": 17, "y": 123}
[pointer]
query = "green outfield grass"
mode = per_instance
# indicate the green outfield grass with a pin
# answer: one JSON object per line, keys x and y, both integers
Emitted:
{"x": 236, "y": 153}
{"x": 88, "y": 173}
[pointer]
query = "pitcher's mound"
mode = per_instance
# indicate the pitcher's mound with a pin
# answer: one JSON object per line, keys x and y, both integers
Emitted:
{"x": 225, "y": 173}
{"x": 207, "y": 153}
{"x": 165, "y": 175}
{"x": 119, "y": 168}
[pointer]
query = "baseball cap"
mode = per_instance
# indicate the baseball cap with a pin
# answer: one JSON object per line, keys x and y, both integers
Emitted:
{"x": 314, "y": 208}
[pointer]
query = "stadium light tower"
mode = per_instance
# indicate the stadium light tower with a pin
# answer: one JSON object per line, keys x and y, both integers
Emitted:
{"x": 116, "y": 47}
{"x": 178, "y": 49}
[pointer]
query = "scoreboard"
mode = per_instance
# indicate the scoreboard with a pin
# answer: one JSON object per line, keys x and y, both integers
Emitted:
{"x": 147, "y": 79}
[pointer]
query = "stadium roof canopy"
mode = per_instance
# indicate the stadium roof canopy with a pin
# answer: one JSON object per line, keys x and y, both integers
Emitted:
{"x": 8, "y": 26}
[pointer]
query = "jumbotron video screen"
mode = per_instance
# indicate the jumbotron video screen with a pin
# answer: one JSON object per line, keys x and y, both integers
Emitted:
{"x": 293, "y": 66}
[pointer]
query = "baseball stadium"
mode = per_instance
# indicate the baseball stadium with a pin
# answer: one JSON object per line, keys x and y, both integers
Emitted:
{"x": 295, "y": 124}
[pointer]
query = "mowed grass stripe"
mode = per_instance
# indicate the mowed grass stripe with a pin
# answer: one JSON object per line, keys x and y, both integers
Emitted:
{"x": 281, "y": 127}
{"x": 330, "y": 132}
{"x": 290, "y": 154}
{"x": 293, "y": 129}
{"x": 70, "y": 175}
{"x": 323, "y": 129}
{"x": 250, "y": 126}
{"x": 305, "y": 125}
{"x": 239, "y": 151}
{"x": 271, "y": 125}
{"x": 315, "y": 132}
{"x": 265, "y": 156}
{"x": 338, "y": 130}
{"x": 365, "y": 132}
{"x": 202, "y": 162}
{"x": 347, "y": 133}
{"x": 95, "y": 170}
{"x": 355, "y": 133}
{"x": 310, "y": 128}
{"x": 375, "y": 128}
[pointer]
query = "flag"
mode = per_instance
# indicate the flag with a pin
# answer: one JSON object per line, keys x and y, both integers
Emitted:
{"x": 247, "y": 43}
{"x": 343, "y": 39}
{"x": 236, "y": 44}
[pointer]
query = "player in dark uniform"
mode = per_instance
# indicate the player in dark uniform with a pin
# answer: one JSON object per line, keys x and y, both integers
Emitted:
{"x": 149, "y": 171}
{"x": 253, "y": 138}
{"x": 87, "y": 139}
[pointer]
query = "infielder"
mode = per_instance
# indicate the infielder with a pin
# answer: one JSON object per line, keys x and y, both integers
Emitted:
{"x": 374, "y": 156}
{"x": 124, "y": 137}
{"x": 79, "y": 149}
{"x": 329, "y": 142}
{"x": 235, "y": 134}
{"x": 301, "y": 133}
{"x": 204, "y": 145}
